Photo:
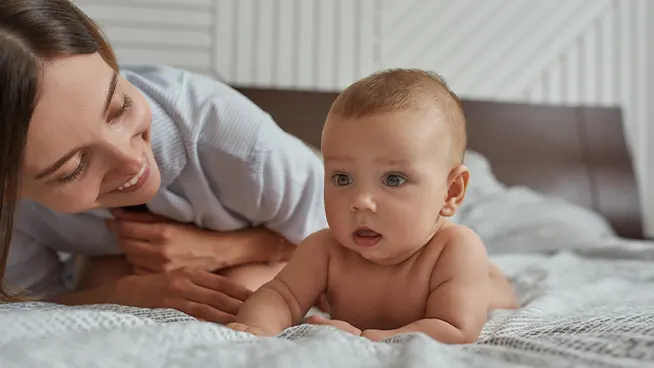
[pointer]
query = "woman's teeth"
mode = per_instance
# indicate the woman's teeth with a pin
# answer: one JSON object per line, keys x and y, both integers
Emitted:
{"x": 133, "y": 180}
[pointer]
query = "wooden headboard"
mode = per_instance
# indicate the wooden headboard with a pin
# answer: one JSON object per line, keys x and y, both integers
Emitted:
{"x": 575, "y": 153}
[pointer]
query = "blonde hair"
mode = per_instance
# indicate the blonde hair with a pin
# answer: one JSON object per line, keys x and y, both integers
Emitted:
{"x": 394, "y": 90}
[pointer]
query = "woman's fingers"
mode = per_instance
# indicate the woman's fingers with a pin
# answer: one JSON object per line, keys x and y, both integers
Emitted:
{"x": 213, "y": 298}
{"x": 206, "y": 312}
{"x": 137, "y": 247}
{"x": 220, "y": 283}
{"x": 144, "y": 231}
{"x": 141, "y": 271}
{"x": 210, "y": 304}
{"x": 121, "y": 214}
{"x": 143, "y": 263}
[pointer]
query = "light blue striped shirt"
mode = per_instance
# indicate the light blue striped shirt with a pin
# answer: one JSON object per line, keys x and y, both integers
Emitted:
{"x": 225, "y": 165}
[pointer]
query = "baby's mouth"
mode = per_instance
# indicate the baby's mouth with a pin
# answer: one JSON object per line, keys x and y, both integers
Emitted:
{"x": 365, "y": 237}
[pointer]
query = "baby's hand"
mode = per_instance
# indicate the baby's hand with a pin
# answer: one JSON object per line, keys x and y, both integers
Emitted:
{"x": 341, "y": 325}
{"x": 375, "y": 335}
{"x": 250, "y": 329}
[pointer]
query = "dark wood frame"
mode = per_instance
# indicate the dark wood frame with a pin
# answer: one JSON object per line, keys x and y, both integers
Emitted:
{"x": 575, "y": 153}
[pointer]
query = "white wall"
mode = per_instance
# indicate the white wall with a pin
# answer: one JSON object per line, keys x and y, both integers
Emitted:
{"x": 552, "y": 51}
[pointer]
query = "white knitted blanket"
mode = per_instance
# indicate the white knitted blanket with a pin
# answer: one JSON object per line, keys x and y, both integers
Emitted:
{"x": 577, "y": 312}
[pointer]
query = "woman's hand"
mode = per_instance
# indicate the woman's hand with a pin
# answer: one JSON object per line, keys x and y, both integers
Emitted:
{"x": 198, "y": 293}
{"x": 154, "y": 244}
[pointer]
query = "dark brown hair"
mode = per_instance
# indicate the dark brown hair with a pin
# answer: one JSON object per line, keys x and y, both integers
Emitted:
{"x": 401, "y": 89}
{"x": 32, "y": 32}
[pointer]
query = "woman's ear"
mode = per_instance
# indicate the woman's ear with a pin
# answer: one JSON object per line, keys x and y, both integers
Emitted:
{"x": 456, "y": 192}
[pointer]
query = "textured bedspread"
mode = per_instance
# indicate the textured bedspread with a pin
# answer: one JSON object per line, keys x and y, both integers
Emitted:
{"x": 587, "y": 300}
{"x": 577, "y": 312}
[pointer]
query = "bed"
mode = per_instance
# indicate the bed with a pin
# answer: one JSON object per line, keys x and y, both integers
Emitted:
{"x": 552, "y": 194}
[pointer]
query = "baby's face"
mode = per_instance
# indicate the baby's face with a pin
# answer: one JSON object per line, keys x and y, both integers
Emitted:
{"x": 386, "y": 181}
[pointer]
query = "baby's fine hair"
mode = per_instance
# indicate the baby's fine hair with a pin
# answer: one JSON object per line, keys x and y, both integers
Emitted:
{"x": 394, "y": 90}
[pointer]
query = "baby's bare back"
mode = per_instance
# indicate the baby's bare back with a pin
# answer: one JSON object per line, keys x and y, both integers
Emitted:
{"x": 371, "y": 296}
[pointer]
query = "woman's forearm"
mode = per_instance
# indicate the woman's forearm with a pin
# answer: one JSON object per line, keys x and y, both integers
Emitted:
{"x": 103, "y": 294}
{"x": 256, "y": 245}
{"x": 97, "y": 280}
{"x": 91, "y": 272}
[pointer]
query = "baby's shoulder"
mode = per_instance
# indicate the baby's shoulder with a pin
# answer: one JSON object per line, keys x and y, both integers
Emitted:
{"x": 322, "y": 240}
{"x": 460, "y": 249}
{"x": 454, "y": 234}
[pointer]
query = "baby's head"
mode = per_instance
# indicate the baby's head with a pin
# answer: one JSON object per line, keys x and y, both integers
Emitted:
{"x": 393, "y": 145}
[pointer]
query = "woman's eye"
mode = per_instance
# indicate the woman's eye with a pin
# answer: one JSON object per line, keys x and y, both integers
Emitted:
{"x": 393, "y": 180}
{"x": 342, "y": 180}
{"x": 79, "y": 170}
{"x": 127, "y": 104}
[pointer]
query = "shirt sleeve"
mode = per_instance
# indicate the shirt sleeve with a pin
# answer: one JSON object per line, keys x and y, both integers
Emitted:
{"x": 288, "y": 185}
{"x": 32, "y": 268}
{"x": 258, "y": 171}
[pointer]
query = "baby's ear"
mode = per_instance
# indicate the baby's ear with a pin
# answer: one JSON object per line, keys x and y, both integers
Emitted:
{"x": 456, "y": 192}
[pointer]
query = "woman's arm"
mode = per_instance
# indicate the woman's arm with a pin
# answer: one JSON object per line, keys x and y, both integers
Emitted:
{"x": 253, "y": 245}
{"x": 97, "y": 279}
{"x": 201, "y": 294}
{"x": 153, "y": 244}
{"x": 274, "y": 180}
{"x": 35, "y": 272}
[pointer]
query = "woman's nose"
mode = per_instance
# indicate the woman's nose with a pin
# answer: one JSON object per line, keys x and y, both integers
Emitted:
{"x": 128, "y": 154}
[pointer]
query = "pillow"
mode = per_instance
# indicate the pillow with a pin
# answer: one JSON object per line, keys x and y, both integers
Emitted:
{"x": 482, "y": 180}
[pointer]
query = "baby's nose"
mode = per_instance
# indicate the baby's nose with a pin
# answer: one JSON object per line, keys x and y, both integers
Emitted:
{"x": 364, "y": 202}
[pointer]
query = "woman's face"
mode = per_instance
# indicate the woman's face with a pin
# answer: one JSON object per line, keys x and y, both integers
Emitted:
{"x": 88, "y": 143}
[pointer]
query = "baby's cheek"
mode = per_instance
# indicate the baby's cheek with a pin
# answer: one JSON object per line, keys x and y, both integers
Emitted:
{"x": 412, "y": 224}
{"x": 402, "y": 221}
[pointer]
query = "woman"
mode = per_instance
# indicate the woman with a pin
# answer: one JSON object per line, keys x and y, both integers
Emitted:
{"x": 82, "y": 143}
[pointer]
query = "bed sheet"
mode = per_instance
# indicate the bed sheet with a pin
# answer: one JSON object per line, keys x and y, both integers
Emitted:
{"x": 593, "y": 307}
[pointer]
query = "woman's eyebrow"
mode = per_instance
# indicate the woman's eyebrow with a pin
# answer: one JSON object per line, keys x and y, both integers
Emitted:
{"x": 56, "y": 165}
{"x": 52, "y": 168}
{"x": 110, "y": 93}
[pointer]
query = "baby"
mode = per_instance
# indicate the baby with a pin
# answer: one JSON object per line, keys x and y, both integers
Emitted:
{"x": 390, "y": 262}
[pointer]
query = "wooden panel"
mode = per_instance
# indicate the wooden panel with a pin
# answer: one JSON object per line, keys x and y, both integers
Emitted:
{"x": 531, "y": 145}
{"x": 610, "y": 168}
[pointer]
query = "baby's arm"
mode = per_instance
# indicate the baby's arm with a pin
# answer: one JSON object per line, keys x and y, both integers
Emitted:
{"x": 458, "y": 304}
{"x": 284, "y": 301}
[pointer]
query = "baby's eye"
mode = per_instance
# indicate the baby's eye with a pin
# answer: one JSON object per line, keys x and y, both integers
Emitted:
{"x": 394, "y": 180}
{"x": 342, "y": 179}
